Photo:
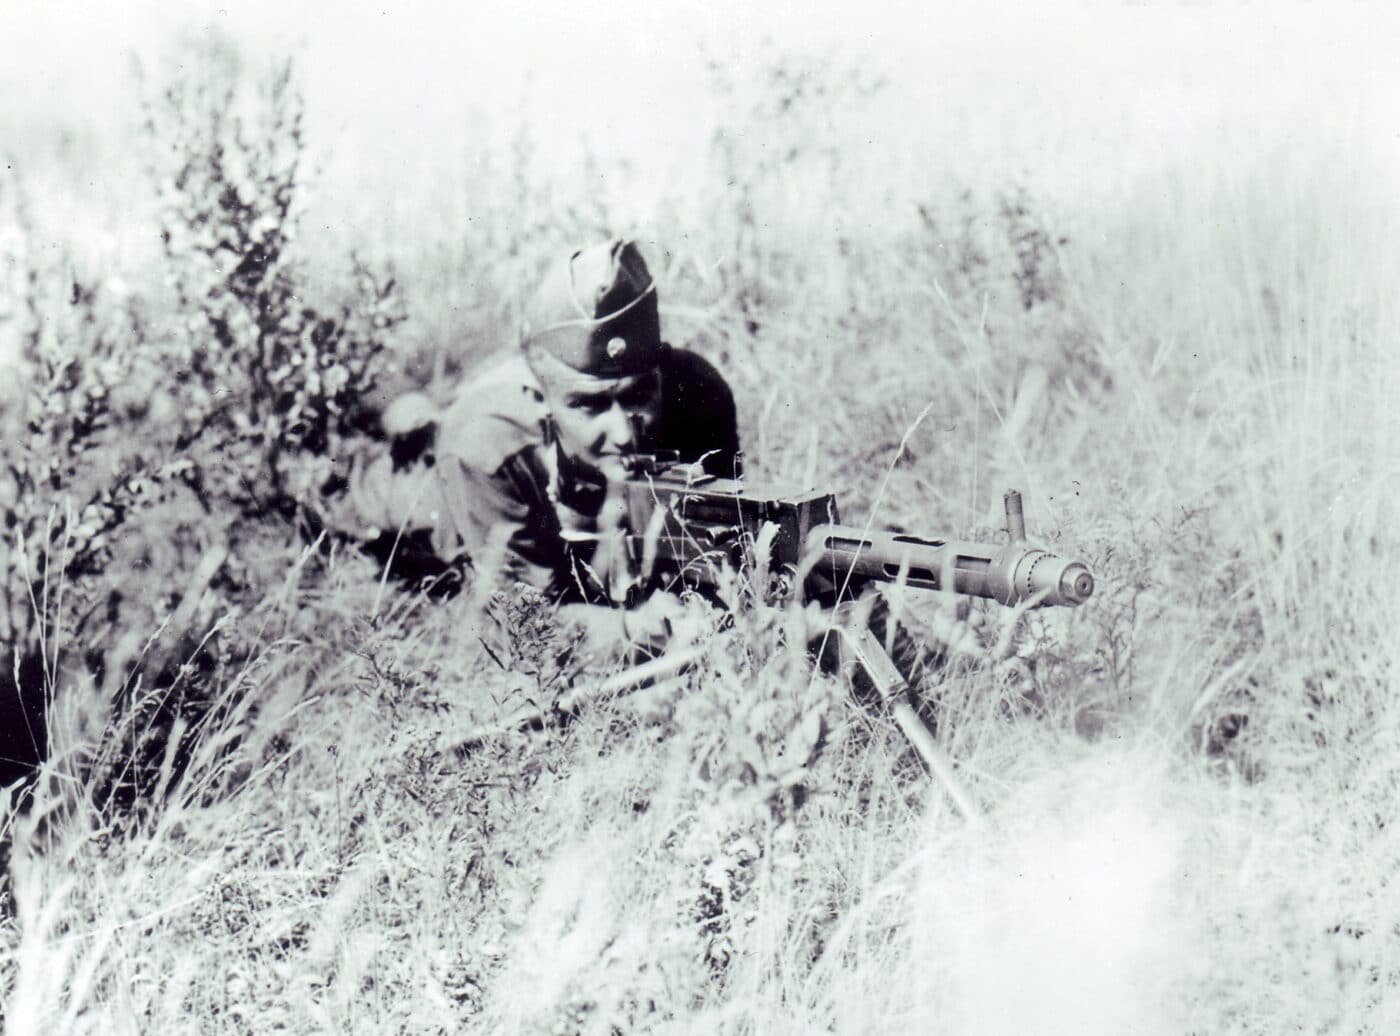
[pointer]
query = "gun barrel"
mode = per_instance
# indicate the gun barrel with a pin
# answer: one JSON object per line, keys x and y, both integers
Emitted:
{"x": 1008, "y": 574}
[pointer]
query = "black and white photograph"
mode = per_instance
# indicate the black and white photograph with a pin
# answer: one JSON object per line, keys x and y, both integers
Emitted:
{"x": 583, "y": 519}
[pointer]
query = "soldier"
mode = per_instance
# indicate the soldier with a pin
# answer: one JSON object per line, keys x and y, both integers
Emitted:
{"x": 530, "y": 452}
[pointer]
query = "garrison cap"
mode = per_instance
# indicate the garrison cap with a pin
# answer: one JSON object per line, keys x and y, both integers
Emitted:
{"x": 597, "y": 313}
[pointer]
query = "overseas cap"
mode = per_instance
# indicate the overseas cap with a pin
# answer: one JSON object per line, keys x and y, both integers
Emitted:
{"x": 597, "y": 313}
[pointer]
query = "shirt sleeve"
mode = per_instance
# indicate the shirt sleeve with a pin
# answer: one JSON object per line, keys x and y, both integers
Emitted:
{"x": 484, "y": 517}
{"x": 490, "y": 495}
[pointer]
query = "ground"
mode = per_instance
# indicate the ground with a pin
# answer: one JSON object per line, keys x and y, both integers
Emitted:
{"x": 1178, "y": 349}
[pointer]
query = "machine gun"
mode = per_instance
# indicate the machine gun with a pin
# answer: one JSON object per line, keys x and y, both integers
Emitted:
{"x": 693, "y": 524}
{"x": 690, "y": 522}
{"x": 686, "y": 527}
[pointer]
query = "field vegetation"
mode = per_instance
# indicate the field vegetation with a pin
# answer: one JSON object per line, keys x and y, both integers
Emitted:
{"x": 248, "y": 815}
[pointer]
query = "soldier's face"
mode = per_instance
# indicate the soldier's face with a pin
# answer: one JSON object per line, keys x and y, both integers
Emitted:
{"x": 599, "y": 421}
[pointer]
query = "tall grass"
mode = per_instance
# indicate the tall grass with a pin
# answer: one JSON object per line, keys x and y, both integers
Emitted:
{"x": 1186, "y": 782}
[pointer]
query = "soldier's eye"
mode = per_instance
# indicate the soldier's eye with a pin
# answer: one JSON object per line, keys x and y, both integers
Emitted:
{"x": 640, "y": 393}
{"x": 591, "y": 405}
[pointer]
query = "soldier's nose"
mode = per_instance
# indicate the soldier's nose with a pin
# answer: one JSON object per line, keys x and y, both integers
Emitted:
{"x": 617, "y": 428}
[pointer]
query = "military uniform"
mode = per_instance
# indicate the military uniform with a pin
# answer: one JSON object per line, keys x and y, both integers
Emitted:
{"x": 499, "y": 490}
{"x": 506, "y": 489}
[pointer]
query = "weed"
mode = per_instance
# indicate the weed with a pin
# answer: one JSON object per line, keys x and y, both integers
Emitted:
{"x": 250, "y": 822}
{"x": 265, "y": 381}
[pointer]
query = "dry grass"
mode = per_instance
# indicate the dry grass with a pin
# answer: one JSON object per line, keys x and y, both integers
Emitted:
{"x": 1199, "y": 396}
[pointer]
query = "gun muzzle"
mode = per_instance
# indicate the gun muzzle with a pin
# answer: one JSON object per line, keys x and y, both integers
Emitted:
{"x": 1009, "y": 574}
{"x": 1053, "y": 579}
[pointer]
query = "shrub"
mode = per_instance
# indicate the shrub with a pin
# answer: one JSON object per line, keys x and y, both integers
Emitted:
{"x": 68, "y": 491}
{"x": 192, "y": 435}
{"x": 267, "y": 382}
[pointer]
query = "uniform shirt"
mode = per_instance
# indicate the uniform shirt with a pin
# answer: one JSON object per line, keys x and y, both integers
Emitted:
{"x": 499, "y": 493}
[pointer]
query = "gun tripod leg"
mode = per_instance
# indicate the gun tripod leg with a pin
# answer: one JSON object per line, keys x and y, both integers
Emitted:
{"x": 938, "y": 761}
{"x": 859, "y": 649}
{"x": 662, "y": 673}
